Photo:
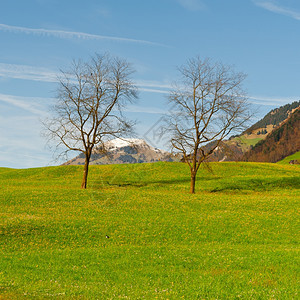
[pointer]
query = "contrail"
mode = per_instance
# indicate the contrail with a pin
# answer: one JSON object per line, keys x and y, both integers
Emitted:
{"x": 72, "y": 34}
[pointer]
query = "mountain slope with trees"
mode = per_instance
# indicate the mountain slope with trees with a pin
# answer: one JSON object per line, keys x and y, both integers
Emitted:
{"x": 275, "y": 116}
{"x": 281, "y": 142}
{"x": 235, "y": 148}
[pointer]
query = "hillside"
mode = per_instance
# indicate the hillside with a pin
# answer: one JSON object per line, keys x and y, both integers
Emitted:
{"x": 119, "y": 151}
{"x": 274, "y": 117}
{"x": 281, "y": 142}
{"x": 234, "y": 148}
{"x": 237, "y": 237}
{"x": 286, "y": 160}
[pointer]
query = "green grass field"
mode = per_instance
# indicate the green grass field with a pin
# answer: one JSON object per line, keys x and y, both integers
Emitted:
{"x": 236, "y": 238}
{"x": 287, "y": 159}
{"x": 247, "y": 141}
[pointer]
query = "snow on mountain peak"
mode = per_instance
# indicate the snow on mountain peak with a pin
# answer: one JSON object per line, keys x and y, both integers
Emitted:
{"x": 126, "y": 150}
{"x": 119, "y": 143}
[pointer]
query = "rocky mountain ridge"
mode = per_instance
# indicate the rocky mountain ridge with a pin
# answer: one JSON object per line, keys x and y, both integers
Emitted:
{"x": 118, "y": 151}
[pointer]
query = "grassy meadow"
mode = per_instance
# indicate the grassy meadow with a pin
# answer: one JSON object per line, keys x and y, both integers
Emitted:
{"x": 236, "y": 238}
{"x": 287, "y": 159}
{"x": 246, "y": 141}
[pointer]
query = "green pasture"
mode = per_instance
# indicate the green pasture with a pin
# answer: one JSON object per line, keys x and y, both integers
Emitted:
{"x": 247, "y": 142}
{"x": 236, "y": 238}
{"x": 295, "y": 156}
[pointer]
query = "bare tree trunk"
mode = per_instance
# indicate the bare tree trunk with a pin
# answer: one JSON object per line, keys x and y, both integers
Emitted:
{"x": 208, "y": 105}
{"x": 194, "y": 170}
{"x": 85, "y": 171}
{"x": 88, "y": 107}
{"x": 193, "y": 182}
{"x": 193, "y": 175}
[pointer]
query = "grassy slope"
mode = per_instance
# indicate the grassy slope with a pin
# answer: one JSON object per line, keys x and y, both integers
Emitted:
{"x": 236, "y": 238}
{"x": 287, "y": 159}
{"x": 246, "y": 142}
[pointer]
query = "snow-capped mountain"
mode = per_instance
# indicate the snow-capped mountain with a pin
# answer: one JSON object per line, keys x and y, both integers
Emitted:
{"x": 119, "y": 151}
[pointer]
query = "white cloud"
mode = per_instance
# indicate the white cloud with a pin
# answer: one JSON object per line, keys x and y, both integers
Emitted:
{"x": 34, "y": 105}
{"x": 270, "y": 6}
{"x": 263, "y": 100}
{"x": 71, "y": 34}
{"x": 41, "y": 74}
{"x": 153, "y": 91}
{"x": 27, "y": 73}
{"x": 30, "y": 104}
{"x": 192, "y": 5}
{"x": 155, "y": 84}
{"x": 147, "y": 110}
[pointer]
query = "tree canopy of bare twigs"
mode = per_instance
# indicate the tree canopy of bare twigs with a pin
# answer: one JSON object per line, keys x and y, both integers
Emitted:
{"x": 208, "y": 104}
{"x": 90, "y": 100}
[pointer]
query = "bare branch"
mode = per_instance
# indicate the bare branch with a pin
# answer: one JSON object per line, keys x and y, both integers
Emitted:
{"x": 209, "y": 103}
{"x": 90, "y": 99}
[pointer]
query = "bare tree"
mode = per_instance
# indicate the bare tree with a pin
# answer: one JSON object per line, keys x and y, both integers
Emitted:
{"x": 88, "y": 111}
{"x": 208, "y": 103}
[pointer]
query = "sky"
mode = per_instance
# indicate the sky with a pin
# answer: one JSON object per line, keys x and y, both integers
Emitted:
{"x": 39, "y": 38}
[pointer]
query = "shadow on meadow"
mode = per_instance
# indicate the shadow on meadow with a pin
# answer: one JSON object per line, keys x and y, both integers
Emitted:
{"x": 20, "y": 229}
{"x": 260, "y": 185}
{"x": 119, "y": 182}
{"x": 211, "y": 184}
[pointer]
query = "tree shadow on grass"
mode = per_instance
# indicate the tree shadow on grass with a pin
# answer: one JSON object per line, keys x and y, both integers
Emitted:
{"x": 260, "y": 185}
{"x": 21, "y": 229}
{"x": 115, "y": 182}
{"x": 209, "y": 183}
{"x": 138, "y": 184}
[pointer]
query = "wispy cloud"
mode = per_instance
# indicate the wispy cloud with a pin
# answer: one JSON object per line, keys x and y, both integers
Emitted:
{"x": 30, "y": 104}
{"x": 148, "y": 86}
{"x": 71, "y": 34}
{"x": 153, "y": 91}
{"x": 192, "y": 5}
{"x": 45, "y": 75}
{"x": 155, "y": 84}
{"x": 270, "y": 6}
{"x": 143, "y": 109}
{"x": 263, "y": 100}
{"x": 153, "y": 87}
{"x": 34, "y": 105}
{"x": 27, "y": 73}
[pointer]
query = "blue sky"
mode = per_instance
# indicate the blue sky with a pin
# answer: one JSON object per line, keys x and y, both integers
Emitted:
{"x": 40, "y": 37}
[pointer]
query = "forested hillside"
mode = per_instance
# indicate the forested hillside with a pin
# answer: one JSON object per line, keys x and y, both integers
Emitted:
{"x": 281, "y": 142}
{"x": 275, "y": 116}
{"x": 237, "y": 146}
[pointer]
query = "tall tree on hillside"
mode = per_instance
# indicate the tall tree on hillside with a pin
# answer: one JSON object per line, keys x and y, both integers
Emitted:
{"x": 208, "y": 103}
{"x": 88, "y": 111}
